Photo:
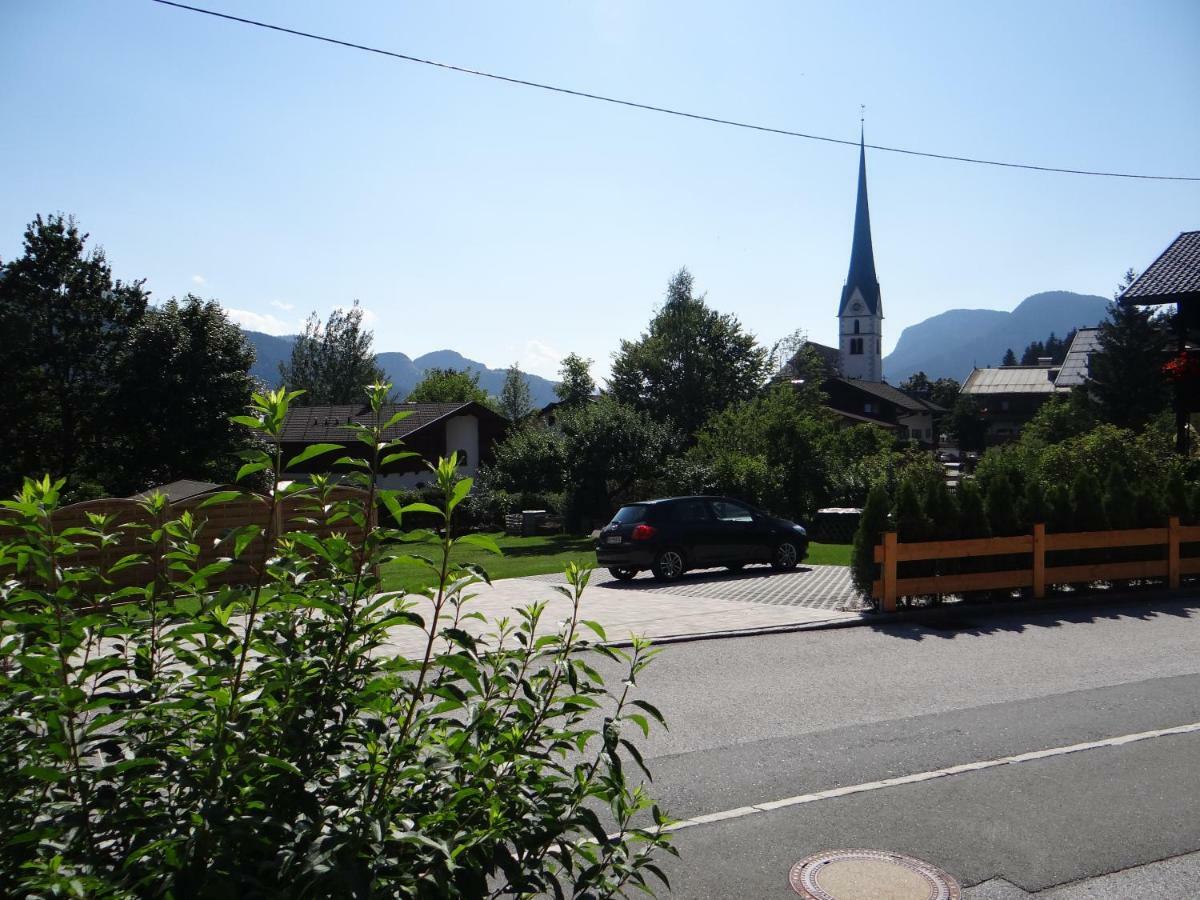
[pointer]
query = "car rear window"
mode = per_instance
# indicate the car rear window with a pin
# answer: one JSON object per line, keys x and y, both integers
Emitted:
{"x": 627, "y": 515}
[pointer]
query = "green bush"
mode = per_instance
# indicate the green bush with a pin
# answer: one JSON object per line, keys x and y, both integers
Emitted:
{"x": 1000, "y": 502}
{"x": 871, "y": 525}
{"x": 179, "y": 740}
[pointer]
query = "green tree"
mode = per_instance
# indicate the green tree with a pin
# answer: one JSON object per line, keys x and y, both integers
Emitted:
{"x": 1087, "y": 502}
{"x": 331, "y": 362}
{"x": 515, "y": 400}
{"x": 1119, "y": 500}
{"x": 918, "y": 383}
{"x": 183, "y": 373}
{"x": 63, "y": 321}
{"x": 577, "y": 384}
{"x": 941, "y": 508}
{"x": 607, "y": 447}
{"x": 1010, "y": 358}
{"x": 1125, "y": 372}
{"x": 966, "y": 423}
{"x": 449, "y": 386}
{"x": 912, "y": 524}
{"x": 530, "y": 459}
{"x": 1000, "y": 502}
{"x": 1034, "y": 505}
{"x": 1061, "y": 418}
{"x": 690, "y": 363}
{"x": 944, "y": 392}
{"x": 973, "y": 518}
{"x": 871, "y": 525}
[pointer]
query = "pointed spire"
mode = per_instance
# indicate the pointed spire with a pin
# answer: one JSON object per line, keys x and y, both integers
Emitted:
{"x": 862, "y": 254}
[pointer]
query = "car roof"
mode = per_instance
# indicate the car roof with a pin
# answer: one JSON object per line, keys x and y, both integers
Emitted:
{"x": 661, "y": 500}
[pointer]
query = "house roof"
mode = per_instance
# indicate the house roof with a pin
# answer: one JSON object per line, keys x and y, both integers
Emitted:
{"x": 862, "y": 255}
{"x": 865, "y": 420}
{"x": 1174, "y": 275}
{"x": 176, "y": 491}
{"x": 1011, "y": 380}
{"x": 326, "y": 424}
{"x": 885, "y": 391}
{"x": 1074, "y": 370}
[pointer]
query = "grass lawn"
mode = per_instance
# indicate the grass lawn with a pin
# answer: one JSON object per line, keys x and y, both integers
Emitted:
{"x": 542, "y": 555}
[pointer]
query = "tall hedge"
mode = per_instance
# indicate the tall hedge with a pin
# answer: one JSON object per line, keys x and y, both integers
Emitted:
{"x": 871, "y": 525}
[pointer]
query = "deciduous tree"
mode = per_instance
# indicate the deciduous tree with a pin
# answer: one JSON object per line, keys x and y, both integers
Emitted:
{"x": 691, "y": 362}
{"x": 515, "y": 399}
{"x": 449, "y": 386}
{"x": 577, "y": 384}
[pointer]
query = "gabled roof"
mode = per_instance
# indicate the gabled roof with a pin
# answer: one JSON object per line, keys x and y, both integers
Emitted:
{"x": 326, "y": 424}
{"x": 1074, "y": 369}
{"x": 892, "y": 395}
{"x": 175, "y": 491}
{"x": 1173, "y": 276}
{"x": 1011, "y": 380}
{"x": 862, "y": 254}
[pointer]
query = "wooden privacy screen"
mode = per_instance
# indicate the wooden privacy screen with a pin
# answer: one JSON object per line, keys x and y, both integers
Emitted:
{"x": 134, "y": 527}
{"x": 1037, "y": 574}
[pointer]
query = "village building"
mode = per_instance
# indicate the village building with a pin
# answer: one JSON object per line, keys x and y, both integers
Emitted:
{"x": 431, "y": 430}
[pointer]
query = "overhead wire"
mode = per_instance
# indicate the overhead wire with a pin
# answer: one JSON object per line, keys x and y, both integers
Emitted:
{"x": 715, "y": 120}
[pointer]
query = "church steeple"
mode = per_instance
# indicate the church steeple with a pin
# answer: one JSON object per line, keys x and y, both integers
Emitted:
{"x": 861, "y": 310}
{"x": 862, "y": 254}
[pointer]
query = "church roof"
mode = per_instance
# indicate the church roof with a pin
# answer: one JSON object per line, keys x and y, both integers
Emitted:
{"x": 862, "y": 254}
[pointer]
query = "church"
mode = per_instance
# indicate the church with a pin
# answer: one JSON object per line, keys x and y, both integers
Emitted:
{"x": 854, "y": 382}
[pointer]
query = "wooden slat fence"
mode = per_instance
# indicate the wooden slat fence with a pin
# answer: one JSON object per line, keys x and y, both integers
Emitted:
{"x": 134, "y": 527}
{"x": 1037, "y": 575}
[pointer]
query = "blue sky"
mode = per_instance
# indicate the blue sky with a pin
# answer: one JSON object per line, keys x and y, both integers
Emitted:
{"x": 280, "y": 175}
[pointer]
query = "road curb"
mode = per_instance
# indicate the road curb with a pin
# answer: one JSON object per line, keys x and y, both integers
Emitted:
{"x": 923, "y": 615}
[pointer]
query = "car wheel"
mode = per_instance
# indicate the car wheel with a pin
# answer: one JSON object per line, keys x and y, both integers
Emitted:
{"x": 623, "y": 574}
{"x": 669, "y": 565}
{"x": 785, "y": 555}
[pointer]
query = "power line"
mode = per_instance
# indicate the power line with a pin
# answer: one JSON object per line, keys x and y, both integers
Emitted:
{"x": 662, "y": 109}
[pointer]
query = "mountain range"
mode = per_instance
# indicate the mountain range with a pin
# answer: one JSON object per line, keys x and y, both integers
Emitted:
{"x": 951, "y": 344}
{"x": 402, "y": 371}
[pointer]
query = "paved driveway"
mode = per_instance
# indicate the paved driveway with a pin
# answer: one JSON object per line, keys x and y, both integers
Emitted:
{"x": 701, "y": 604}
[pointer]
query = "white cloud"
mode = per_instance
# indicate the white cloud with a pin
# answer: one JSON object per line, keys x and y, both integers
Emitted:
{"x": 253, "y": 321}
{"x": 199, "y": 279}
{"x": 286, "y": 307}
{"x": 540, "y": 359}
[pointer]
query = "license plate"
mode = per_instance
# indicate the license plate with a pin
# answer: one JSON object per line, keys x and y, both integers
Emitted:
{"x": 613, "y": 539}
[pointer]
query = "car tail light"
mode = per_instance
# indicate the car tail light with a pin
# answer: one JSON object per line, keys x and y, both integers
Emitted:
{"x": 643, "y": 532}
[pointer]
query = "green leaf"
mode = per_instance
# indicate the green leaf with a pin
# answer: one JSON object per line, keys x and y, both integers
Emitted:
{"x": 220, "y": 497}
{"x": 310, "y": 451}
{"x": 396, "y": 457}
{"x": 461, "y": 488}
{"x": 421, "y": 507}
{"x": 486, "y": 541}
{"x": 250, "y": 469}
{"x": 652, "y": 709}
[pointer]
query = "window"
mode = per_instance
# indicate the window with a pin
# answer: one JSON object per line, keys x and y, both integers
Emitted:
{"x": 690, "y": 511}
{"x": 856, "y": 346}
{"x": 627, "y": 515}
{"x": 463, "y": 459}
{"x": 856, "y": 328}
{"x": 868, "y": 407}
{"x": 728, "y": 511}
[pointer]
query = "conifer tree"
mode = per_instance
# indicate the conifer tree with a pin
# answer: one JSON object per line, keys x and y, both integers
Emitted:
{"x": 1149, "y": 504}
{"x": 973, "y": 521}
{"x": 1001, "y": 506}
{"x": 1126, "y": 369}
{"x": 1119, "y": 500}
{"x": 1034, "y": 505}
{"x": 941, "y": 509}
{"x": 1010, "y": 358}
{"x": 515, "y": 400}
{"x": 1087, "y": 503}
{"x": 1059, "y": 511}
{"x": 1175, "y": 499}
{"x": 871, "y": 525}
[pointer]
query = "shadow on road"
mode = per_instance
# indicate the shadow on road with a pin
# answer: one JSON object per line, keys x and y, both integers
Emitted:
{"x": 953, "y": 622}
{"x": 701, "y": 576}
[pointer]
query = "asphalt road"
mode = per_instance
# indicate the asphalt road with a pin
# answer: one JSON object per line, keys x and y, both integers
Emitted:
{"x": 759, "y": 719}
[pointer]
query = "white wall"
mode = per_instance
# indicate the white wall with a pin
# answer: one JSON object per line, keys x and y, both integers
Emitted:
{"x": 462, "y": 433}
{"x": 868, "y": 365}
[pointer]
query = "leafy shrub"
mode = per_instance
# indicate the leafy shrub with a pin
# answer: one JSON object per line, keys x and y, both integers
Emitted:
{"x": 871, "y": 526}
{"x": 171, "y": 739}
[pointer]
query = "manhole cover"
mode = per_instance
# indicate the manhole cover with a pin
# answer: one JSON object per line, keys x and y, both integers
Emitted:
{"x": 870, "y": 875}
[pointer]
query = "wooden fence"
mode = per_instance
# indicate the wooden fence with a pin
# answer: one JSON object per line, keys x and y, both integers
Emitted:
{"x": 133, "y": 526}
{"x": 1037, "y": 575}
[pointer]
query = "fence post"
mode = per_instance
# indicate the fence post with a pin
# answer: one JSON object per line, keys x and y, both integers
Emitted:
{"x": 889, "y": 571}
{"x": 1173, "y": 553}
{"x": 1039, "y": 561}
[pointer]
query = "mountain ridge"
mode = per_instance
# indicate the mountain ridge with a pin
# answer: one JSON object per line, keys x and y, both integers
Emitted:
{"x": 952, "y": 343}
{"x": 402, "y": 370}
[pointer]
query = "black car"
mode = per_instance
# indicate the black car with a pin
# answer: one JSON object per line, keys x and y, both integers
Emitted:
{"x": 672, "y": 535}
